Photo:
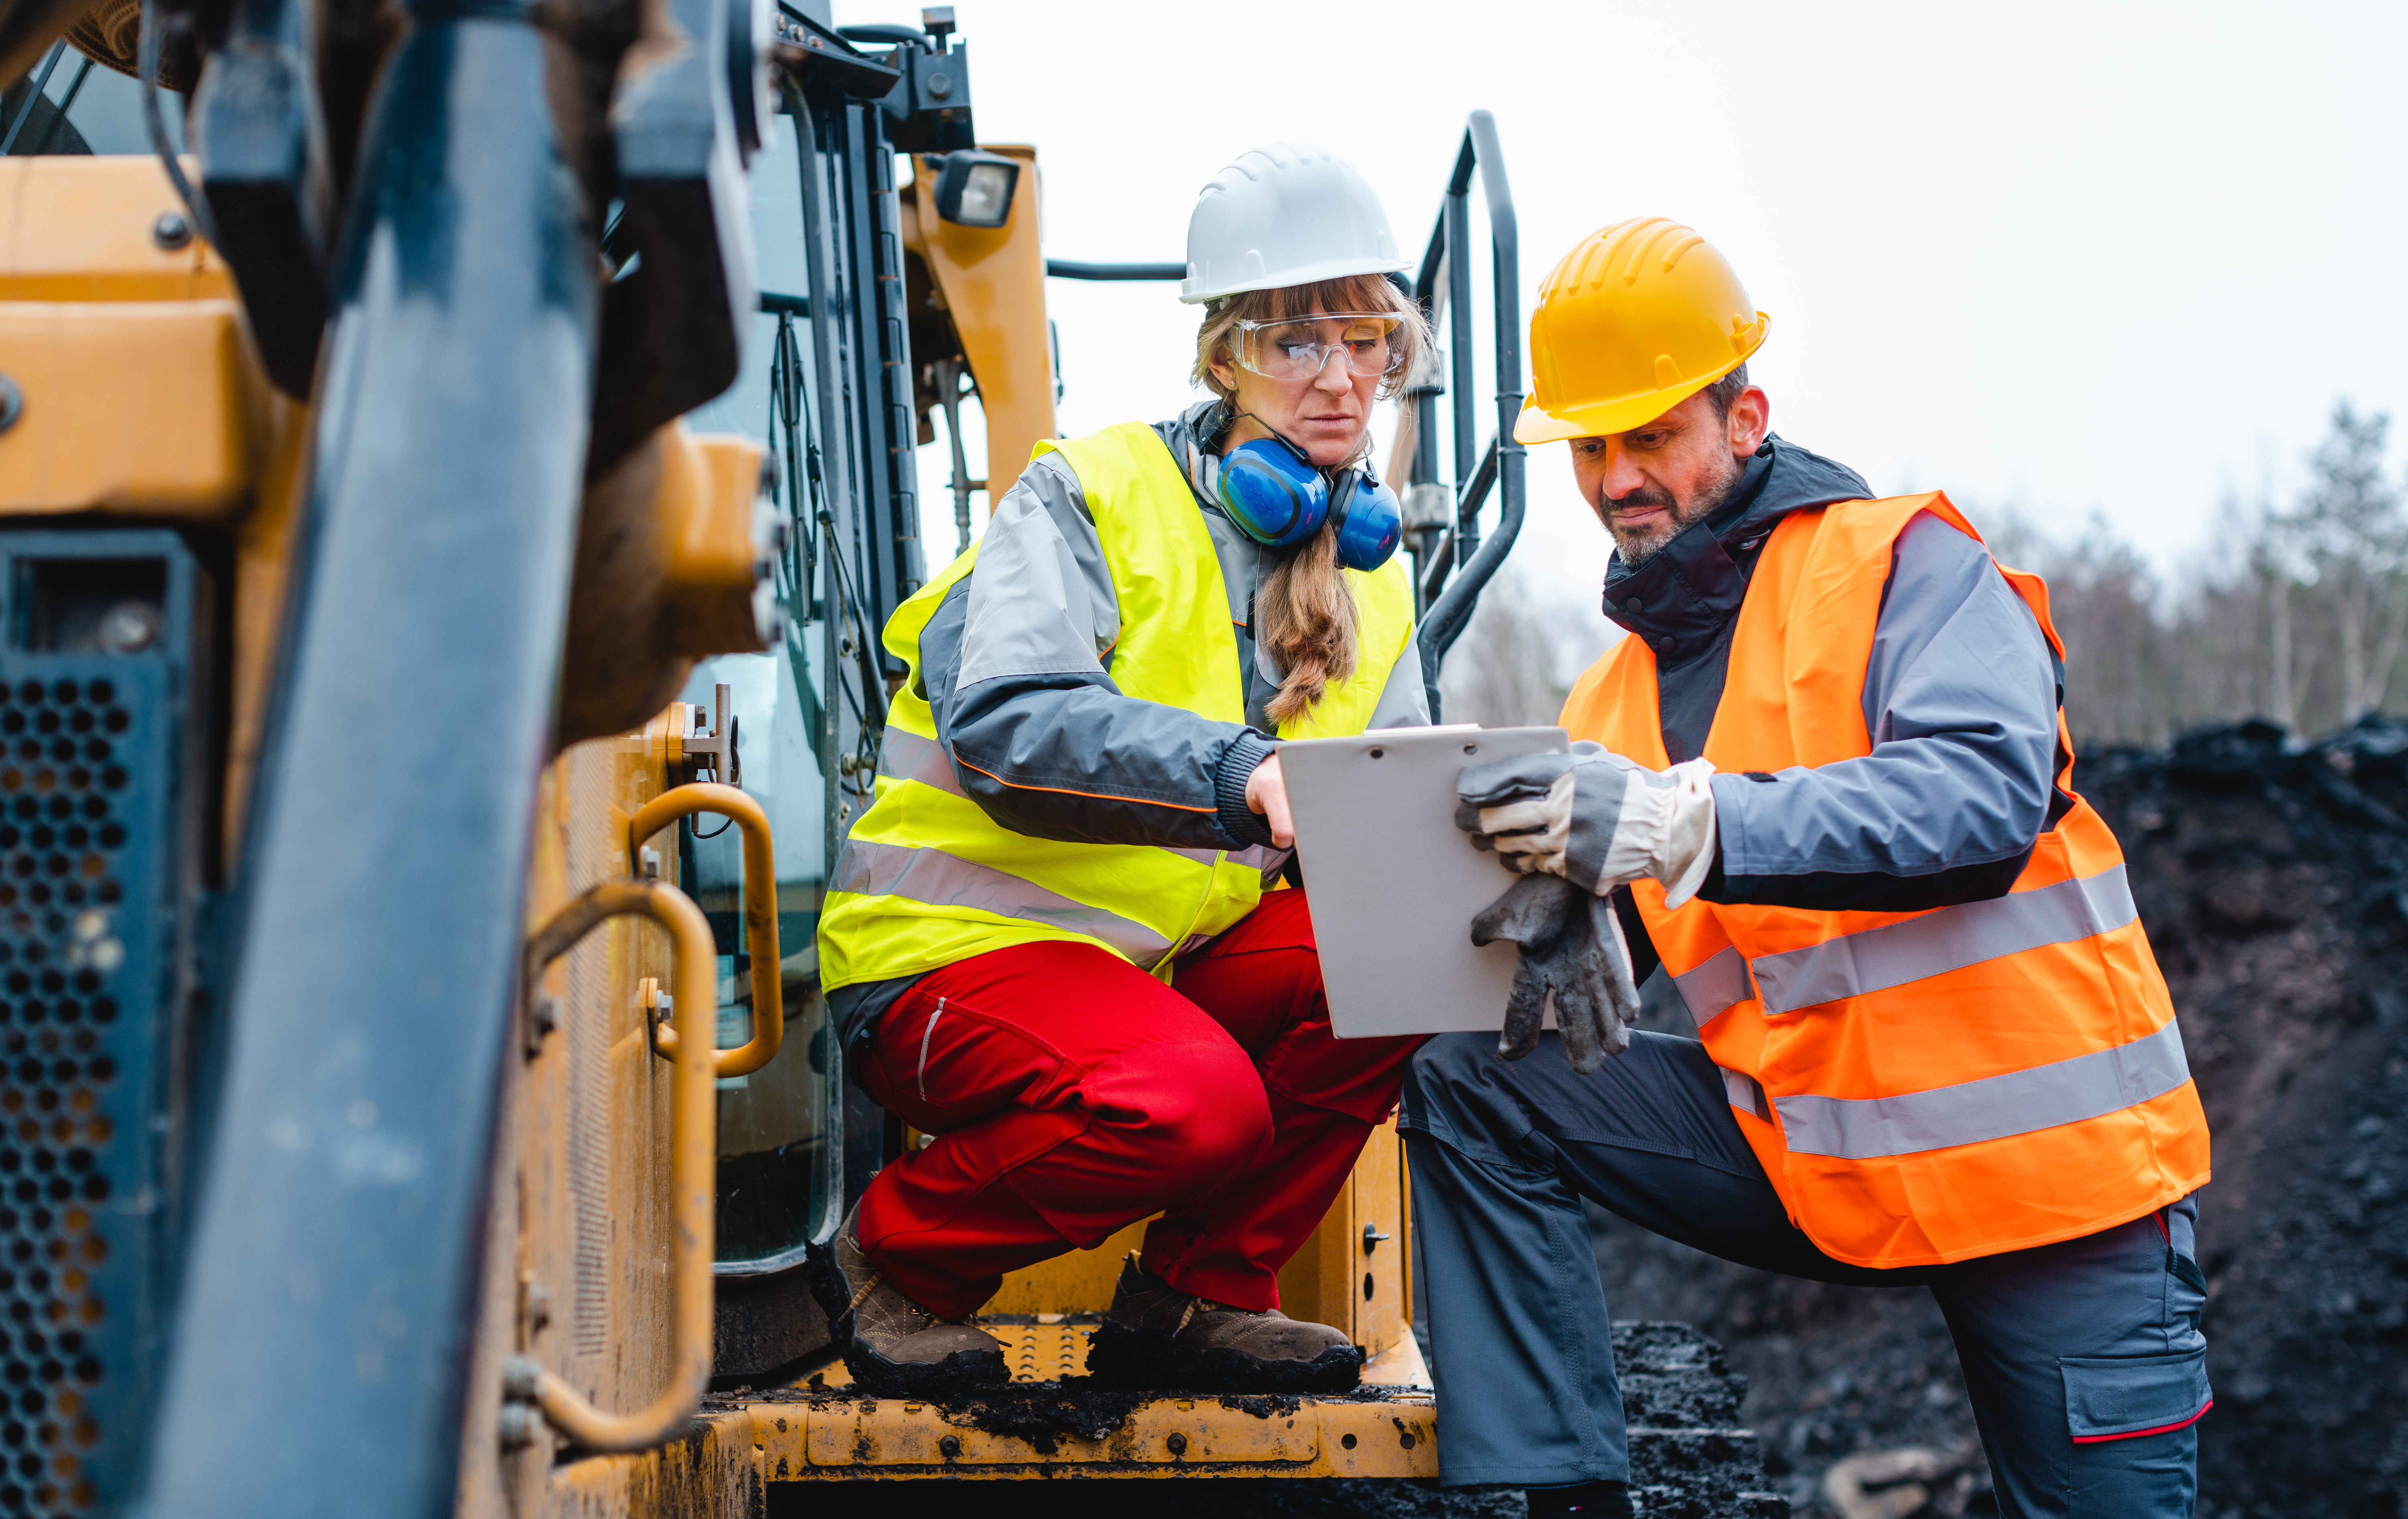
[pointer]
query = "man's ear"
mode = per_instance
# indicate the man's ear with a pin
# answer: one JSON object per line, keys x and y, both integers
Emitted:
{"x": 1751, "y": 419}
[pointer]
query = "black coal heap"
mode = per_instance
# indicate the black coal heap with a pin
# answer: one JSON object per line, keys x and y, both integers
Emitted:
{"x": 2273, "y": 879}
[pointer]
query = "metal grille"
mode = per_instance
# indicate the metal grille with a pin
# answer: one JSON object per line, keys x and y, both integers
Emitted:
{"x": 594, "y": 855}
{"x": 80, "y": 962}
{"x": 589, "y": 1166}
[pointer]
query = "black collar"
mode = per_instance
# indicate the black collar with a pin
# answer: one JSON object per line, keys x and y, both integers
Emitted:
{"x": 1682, "y": 596}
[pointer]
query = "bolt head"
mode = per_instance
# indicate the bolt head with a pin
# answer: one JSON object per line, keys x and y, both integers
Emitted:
{"x": 12, "y": 403}
{"x": 515, "y": 1427}
{"x": 173, "y": 230}
{"x": 129, "y": 627}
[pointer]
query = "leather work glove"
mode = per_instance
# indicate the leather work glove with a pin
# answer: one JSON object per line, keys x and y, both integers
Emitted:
{"x": 1572, "y": 948}
{"x": 1594, "y": 818}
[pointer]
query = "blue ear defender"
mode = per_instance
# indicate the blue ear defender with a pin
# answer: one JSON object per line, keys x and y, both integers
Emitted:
{"x": 1277, "y": 498}
{"x": 1370, "y": 520}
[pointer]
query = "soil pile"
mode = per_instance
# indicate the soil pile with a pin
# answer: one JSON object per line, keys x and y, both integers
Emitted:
{"x": 2274, "y": 881}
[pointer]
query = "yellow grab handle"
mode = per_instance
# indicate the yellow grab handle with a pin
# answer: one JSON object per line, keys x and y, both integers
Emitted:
{"x": 694, "y": 1165}
{"x": 760, "y": 912}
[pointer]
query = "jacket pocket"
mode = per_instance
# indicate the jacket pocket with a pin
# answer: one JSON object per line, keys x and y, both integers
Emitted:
{"x": 2125, "y": 1396}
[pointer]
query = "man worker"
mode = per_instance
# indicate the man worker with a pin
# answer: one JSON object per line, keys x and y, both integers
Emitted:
{"x": 1827, "y": 787}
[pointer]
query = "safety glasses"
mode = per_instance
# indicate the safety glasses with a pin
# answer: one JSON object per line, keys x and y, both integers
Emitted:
{"x": 1300, "y": 348}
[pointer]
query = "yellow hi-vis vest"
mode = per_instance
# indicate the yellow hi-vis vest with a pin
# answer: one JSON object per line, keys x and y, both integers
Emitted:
{"x": 928, "y": 879}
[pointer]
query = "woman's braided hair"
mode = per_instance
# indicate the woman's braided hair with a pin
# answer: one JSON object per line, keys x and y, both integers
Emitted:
{"x": 1304, "y": 616}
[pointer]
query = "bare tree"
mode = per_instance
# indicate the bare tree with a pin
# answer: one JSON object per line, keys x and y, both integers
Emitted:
{"x": 1517, "y": 661}
{"x": 2349, "y": 524}
{"x": 2300, "y": 616}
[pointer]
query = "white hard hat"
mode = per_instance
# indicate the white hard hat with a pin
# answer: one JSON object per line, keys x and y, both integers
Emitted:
{"x": 1287, "y": 214}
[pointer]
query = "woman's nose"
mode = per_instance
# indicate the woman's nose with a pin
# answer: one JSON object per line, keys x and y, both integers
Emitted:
{"x": 1335, "y": 374}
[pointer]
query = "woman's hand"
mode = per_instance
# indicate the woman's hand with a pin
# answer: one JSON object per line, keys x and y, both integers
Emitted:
{"x": 1267, "y": 794}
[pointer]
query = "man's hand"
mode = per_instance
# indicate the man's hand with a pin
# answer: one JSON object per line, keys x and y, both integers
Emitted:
{"x": 1594, "y": 818}
{"x": 1267, "y": 794}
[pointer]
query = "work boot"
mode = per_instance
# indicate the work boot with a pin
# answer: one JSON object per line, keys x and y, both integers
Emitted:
{"x": 892, "y": 1346}
{"x": 1158, "y": 1337}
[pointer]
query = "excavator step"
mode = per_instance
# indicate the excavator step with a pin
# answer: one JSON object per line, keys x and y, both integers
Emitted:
{"x": 1052, "y": 1421}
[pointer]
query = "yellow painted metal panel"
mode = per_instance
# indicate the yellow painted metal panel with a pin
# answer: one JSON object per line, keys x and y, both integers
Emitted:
{"x": 1080, "y": 1282}
{"x": 826, "y": 1430}
{"x": 710, "y": 558}
{"x": 138, "y": 407}
{"x": 993, "y": 280}
{"x": 74, "y": 228}
{"x": 579, "y": 1277}
{"x": 831, "y": 1435}
{"x": 1375, "y": 1273}
{"x": 713, "y": 1473}
{"x": 263, "y": 564}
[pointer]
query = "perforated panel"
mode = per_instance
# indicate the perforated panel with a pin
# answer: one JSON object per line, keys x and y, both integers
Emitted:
{"x": 74, "y": 1101}
{"x": 90, "y": 903}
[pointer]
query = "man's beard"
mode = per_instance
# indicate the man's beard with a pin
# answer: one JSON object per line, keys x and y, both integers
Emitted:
{"x": 1637, "y": 544}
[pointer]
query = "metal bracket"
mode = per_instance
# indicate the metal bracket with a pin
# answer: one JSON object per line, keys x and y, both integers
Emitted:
{"x": 714, "y": 750}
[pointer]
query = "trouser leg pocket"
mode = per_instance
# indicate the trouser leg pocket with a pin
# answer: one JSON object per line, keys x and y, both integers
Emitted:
{"x": 2111, "y": 1397}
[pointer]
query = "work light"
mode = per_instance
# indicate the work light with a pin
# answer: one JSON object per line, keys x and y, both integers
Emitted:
{"x": 974, "y": 189}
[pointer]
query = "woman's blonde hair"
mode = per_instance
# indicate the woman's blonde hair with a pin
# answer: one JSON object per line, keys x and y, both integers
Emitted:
{"x": 1305, "y": 614}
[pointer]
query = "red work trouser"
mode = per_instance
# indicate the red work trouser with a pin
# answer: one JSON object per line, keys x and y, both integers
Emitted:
{"x": 1071, "y": 1094}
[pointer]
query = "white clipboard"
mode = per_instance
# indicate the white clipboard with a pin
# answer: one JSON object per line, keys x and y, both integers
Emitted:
{"x": 1394, "y": 885}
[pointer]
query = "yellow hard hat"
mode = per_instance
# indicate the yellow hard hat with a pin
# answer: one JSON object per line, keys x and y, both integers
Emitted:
{"x": 1638, "y": 318}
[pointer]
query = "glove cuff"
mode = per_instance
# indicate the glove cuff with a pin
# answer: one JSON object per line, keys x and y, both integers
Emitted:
{"x": 1664, "y": 830}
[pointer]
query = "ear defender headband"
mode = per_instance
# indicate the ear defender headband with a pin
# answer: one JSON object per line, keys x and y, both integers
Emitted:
{"x": 1270, "y": 490}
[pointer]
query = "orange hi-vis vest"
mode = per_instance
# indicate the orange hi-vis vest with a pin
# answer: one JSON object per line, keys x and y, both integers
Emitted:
{"x": 1920, "y": 1087}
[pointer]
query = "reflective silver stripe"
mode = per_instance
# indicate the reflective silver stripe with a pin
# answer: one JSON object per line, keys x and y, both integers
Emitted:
{"x": 906, "y": 757}
{"x": 925, "y": 1035}
{"x": 941, "y": 880}
{"x": 1875, "y": 959}
{"x": 1711, "y": 988}
{"x": 1746, "y": 1094}
{"x": 2065, "y": 1091}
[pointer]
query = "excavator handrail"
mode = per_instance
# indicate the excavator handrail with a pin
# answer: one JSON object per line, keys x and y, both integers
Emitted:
{"x": 1064, "y": 269}
{"x": 760, "y": 912}
{"x": 693, "y": 1171}
{"x": 1449, "y": 251}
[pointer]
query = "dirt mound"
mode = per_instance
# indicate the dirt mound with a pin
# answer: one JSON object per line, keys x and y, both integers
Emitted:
{"x": 1043, "y": 1412}
{"x": 2273, "y": 881}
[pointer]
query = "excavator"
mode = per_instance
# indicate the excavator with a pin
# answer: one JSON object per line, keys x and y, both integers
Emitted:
{"x": 456, "y": 458}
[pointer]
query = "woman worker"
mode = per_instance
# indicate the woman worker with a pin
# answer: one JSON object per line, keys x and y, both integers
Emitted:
{"x": 1055, "y": 939}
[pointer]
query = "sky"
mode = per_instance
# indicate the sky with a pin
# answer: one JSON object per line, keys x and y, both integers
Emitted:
{"x": 2057, "y": 258}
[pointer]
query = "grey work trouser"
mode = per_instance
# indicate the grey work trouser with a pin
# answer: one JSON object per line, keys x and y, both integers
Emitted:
{"x": 2084, "y": 1359}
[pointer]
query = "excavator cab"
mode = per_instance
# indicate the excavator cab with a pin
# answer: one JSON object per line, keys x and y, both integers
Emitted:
{"x": 455, "y": 463}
